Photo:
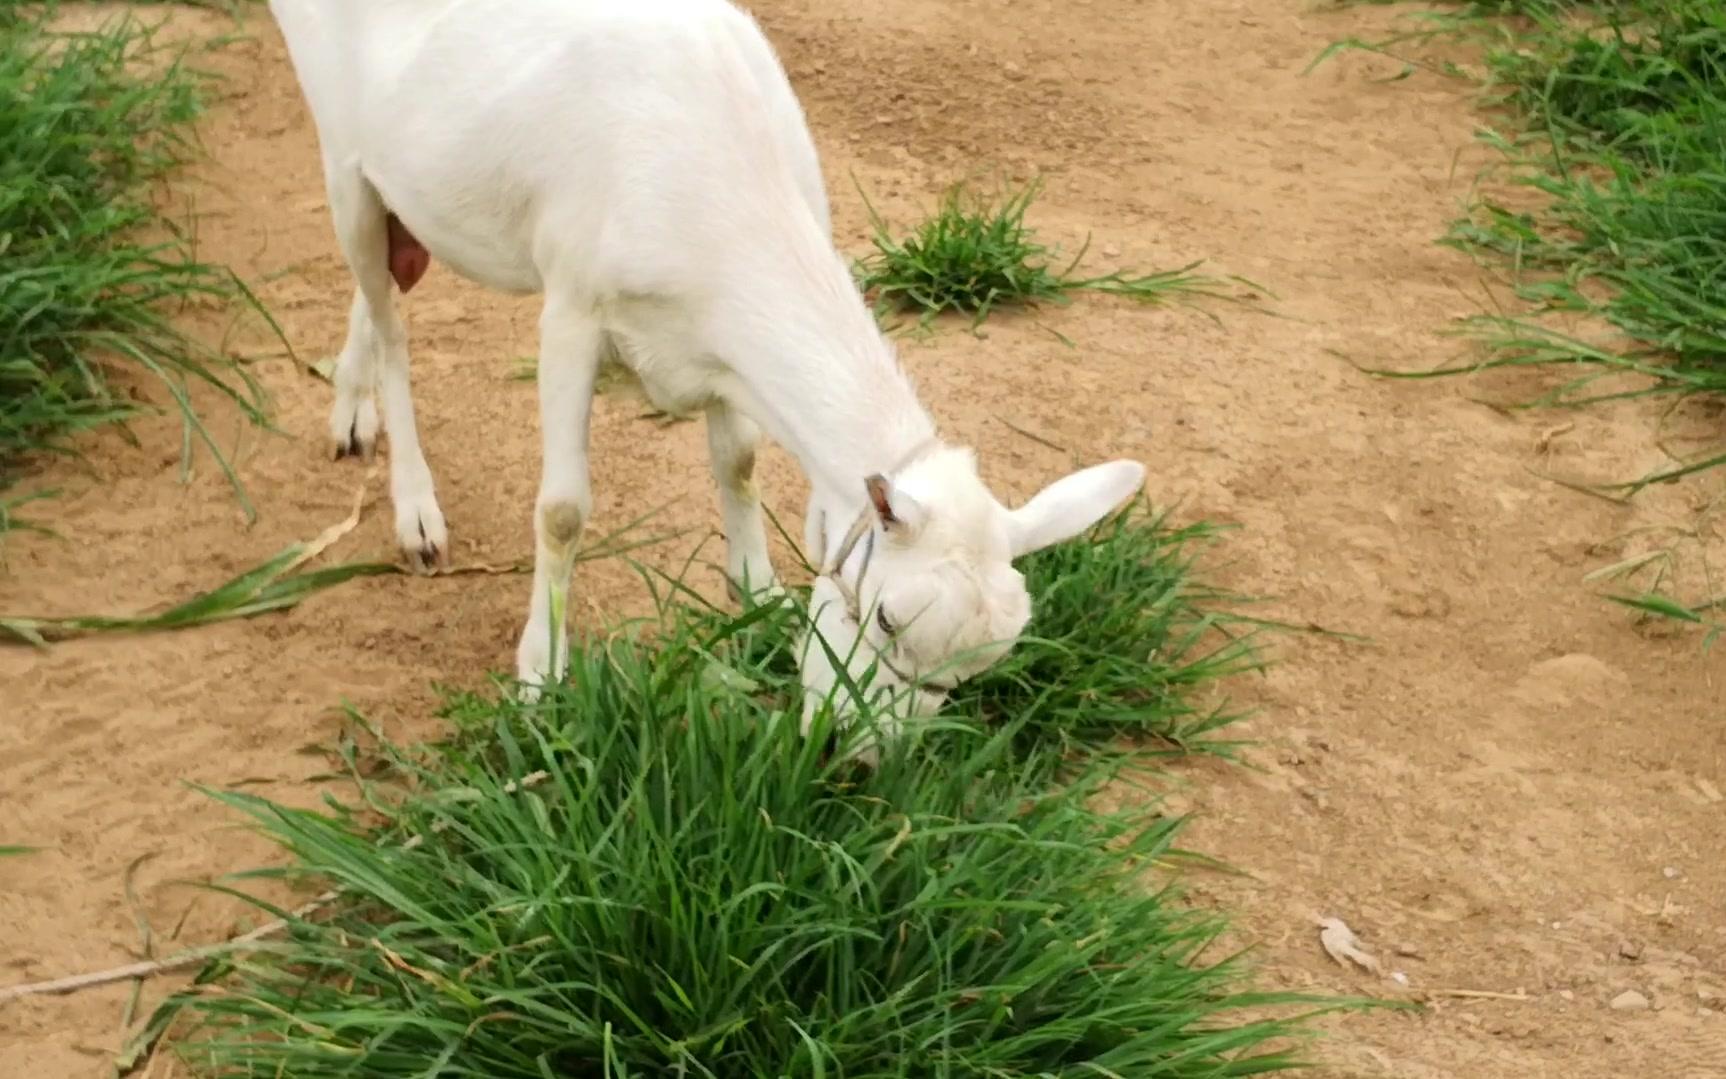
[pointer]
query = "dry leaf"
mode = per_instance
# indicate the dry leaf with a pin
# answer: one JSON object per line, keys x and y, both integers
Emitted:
{"x": 1342, "y": 945}
{"x": 327, "y": 538}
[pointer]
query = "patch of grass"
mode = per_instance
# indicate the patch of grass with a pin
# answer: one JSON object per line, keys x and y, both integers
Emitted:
{"x": 1123, "y": 643}
{"x": 1125, "y": 640}
{"x": 91, "y": 271}
{"x": 1625, "y": 143}
{"x": 11, "y": 520}
{"x": 649, "y": 872}
{"x": 976, "y": 253}
{"x": 1611, "y": 178}
{"x": 1616, "y": 118}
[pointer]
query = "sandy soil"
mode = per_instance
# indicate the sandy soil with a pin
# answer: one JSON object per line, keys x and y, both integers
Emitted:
{"x": 1512, "y": 789}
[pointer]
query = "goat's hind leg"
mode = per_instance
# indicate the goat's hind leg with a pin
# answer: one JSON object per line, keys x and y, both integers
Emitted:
{"x": 354, "y": 415}
{"x": 375, "y": 361}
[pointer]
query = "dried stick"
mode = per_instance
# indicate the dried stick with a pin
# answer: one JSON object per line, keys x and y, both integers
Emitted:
{"x": 1475, "y": 994}
{"x": 151, "y": 968}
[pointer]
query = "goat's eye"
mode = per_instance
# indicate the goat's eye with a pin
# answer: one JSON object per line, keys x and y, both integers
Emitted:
{"x": 881, "y": 620}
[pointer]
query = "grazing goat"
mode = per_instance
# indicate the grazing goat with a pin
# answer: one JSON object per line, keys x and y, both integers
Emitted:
{"x": 645, "y": 166}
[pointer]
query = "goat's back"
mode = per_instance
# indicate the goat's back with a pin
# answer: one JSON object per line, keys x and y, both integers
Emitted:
{"x": 510, "y": 134}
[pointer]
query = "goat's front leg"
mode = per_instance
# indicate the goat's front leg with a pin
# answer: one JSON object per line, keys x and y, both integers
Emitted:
{"x": 732, "y": 439}
{"x": 569, "y": 352}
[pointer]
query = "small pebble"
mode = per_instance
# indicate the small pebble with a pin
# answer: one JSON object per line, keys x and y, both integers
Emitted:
{"x": 1670, "y": 872}
{"x": 1629, "y": 1001}
{"x": 1629, "y": 949}
{"x": 1566, "y": 994}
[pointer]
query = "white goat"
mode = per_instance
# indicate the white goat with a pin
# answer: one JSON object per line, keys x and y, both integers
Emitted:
{"x": 646, "y": 166}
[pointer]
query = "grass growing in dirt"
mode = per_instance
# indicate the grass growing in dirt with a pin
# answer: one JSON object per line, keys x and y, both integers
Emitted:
{"x": 1613, "y": 148}
{"x": 91, "y": 271}
{"x": 1699, "y": 615}
{"x": 1125, "y": 642}
{"x": 976, "y": 253}
{"x": 1626, "y": 141}
{"x": 1617, "y": 127}
{"x": 649, "y": 872}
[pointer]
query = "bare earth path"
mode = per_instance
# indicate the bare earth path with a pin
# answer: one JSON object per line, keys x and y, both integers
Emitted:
{"x": 1512, "y": 783}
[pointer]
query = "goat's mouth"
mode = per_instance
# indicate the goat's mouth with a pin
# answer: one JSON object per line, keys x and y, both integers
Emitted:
{"x": 937, "y": 687}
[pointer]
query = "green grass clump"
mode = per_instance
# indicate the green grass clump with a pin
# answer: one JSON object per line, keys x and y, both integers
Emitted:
{"x": 1626, "y": 145}
{"x": 90, "y": 269}
{"x": 648, "y": 876}
{"x": 1123, "y": 643}
{"x": 975, "y": 253}
{"x": 650, "y": 873}
{"x": 1613, "y": 148}
{"x": 1617, "y": 126}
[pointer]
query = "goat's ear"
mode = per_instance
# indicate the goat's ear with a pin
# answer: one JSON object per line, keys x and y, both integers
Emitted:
{"x": 897, "y": 511}
{"x": 1072, "y": 504}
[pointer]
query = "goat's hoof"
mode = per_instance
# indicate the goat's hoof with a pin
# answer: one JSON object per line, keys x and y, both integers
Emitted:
{"x": 353, "y": 446}
{"x": 762, "y": 595}
{"x": 535, "y": 667}
{"x": 354, "y": 428}
{"x": 424, "y": 538}
{"x": 428, "y": 560}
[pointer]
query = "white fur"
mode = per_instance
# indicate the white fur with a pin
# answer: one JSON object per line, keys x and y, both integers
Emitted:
{"x": 645, "y": 166}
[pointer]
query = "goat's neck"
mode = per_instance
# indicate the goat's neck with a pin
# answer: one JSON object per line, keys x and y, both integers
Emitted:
{"x": 828, "y": 388}
{"x": 841, "y": 454}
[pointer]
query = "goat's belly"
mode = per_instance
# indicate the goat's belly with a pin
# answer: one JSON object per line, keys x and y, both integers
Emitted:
{"x": 674, "y": 388}
{"x": 486, "y": 248}
{"x": 655, "y": 340}
{"x": 500, "y": 266}
{"x": 493, "y": 269}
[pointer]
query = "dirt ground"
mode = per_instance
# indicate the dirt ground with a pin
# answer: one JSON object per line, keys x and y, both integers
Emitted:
{"x": 1512, "y": 791}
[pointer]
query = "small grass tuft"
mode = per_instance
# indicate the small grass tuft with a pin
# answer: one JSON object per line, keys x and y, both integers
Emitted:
{"x": 281, "y": 583}
{"x": 91, "y": 271}
{"x": 274, "y": 585}
{"x": 976, "y": 253}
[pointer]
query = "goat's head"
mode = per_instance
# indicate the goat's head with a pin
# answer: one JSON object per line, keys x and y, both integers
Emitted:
{"x": 921, "y": 593}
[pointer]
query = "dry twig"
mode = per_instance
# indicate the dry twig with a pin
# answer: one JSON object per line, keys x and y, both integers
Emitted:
{"x": 151, "y": 968}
